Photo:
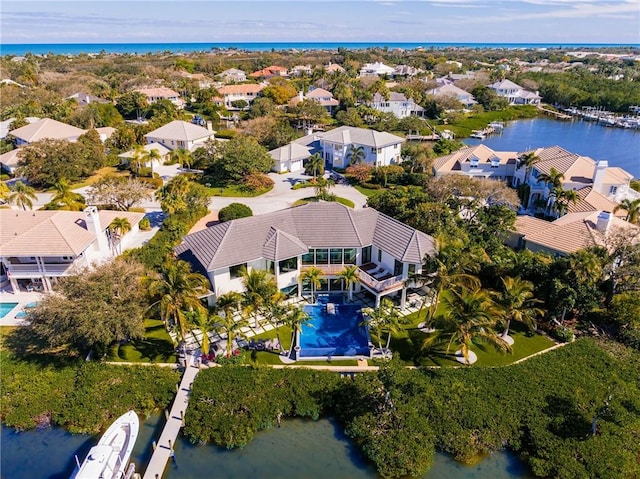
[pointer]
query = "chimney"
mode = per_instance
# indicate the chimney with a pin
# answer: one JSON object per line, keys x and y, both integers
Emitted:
{"x": 209, "y": 126}
{"x": 92, "y": 220}
{"x": 603, "y": 222}
{"x": 598, "y": 177}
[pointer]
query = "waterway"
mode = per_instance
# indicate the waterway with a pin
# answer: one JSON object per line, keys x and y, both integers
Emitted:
{"x": 301, "y": 449}
{"x": 619, "y": 146}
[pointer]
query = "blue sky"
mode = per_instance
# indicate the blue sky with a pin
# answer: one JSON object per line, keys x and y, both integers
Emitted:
{"x": 428, "y": 21}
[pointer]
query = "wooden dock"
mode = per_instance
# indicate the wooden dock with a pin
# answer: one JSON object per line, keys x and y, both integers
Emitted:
{"x": 164, "y": 449}
{"x": 557, "y": 114}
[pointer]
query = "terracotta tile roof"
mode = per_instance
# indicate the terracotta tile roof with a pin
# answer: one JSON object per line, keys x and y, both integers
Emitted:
{"x": 590, "y": 200}
{"x": 575, "y": 168}
{"x": 481, "y": 152}
{"x": 292, "y": 151}
{"x": 347, "y": 135}
{"x": 617, "y": 175}
{"x": 162, "y": 92}
{"x": 240, "y": 89}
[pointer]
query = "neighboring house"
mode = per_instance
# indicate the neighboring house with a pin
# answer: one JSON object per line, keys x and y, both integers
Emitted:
{"x": 269, "y": 72}
{"x": 478, "y": 162}
{"x": 449, "y": 89}
{"x": 105, "y": 132}
{"x": 9, "y": 160}
{"x": 203, "y": 80}
{"x": 453, "y": 77}
{"x": 233, "y": 75}
{"x": 162, "y": 93}
{"x": 379, "y": 148}
{"x": 591, "y": 200}
{"x": 579, "y": 172}
{"x": 333, "y": 68}
{"x": 38, "y": 247}
{"x": 231, "y": 93}
{"x": 376, "y": 69}
{"x": 328, "y": 236}
{"x": 180, "y": 134}
{"x": 398, "y": 104}
{"x": 46, "y": 129}
{"x": 84, "y": 99}
{"x": 300, "y": 70}
{"x": 566, "y": 235}
{"x": 163, "y": 152}
{"x": 322, "y": 96}
{"x": 406, "y": 71}
{"x": 515, "y": 94}
{"x": 289, "y": 157}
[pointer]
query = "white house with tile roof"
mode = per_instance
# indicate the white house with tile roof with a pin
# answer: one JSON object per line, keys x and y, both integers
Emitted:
{"x": 397, "y": 104}
{"x": 155, "y": 94}
{"x": 328, "y": 236}
{"x": 289, "y": 157}
{"x": 247, "y": 92}
{"x": 449, "y": 89}
{"x": 376, "y": 69}
{"x": 46, "y": 128}
{"x": 479, "y": 162}
{"x": 180, "y": 134}
{"x": 514, "y": 93}
{"x": 38, "y": 247}
{"x": 233, "y": 75}
{"x": 380, "y": 148}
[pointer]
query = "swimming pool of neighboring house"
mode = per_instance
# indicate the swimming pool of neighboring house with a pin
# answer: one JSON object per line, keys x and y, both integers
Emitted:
{"x": 335, "y": 329}
{"x": 5, "y": 308}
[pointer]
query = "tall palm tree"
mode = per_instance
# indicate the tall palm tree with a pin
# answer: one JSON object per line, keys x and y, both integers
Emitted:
{"x": 518, "y": 303}
{"x": 22, "y": 195}
{"x": 322, "y": 188}
{"x": 138, "y": 158}
{"x": 229, "y": 303}
{"x": 182, "y": 156}
{"x": 260, "y": 287}
{"x": 4, "y": 191}
{"x": 312, "y": 275}
{"x": 560, "y": 200}
{"x": 175, "y": 291}
{"x": 385, "y": 319}
{"x": 231, "y": 327}
{"x": 356, "y": 155}
{"x": 632, "y": 207}
{"x": 65, "y": 198}
{"x": 206, "y": 323}
{"x": 527, "y": 161}
{"x": 118, "y": 228}
{"x": 294, "y": 317}
{"x": 151, "y": 156}
{"x": 468, "y": 316}
{"x": 350, "y": 276}
{"x": 553, "y": 178}
{"x": 315, "y": 165}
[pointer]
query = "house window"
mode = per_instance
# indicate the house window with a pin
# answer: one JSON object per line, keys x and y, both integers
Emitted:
{"x": 350, "y": 255}
{"x": 288, "y": 265}
{"x": 412, "y": 270}
{"x": 308, "y": 258}
{"x": 379, "y": 256}
{"x": 236, "y": 271}
{"x": 366, "y": 254}
{"x": 271, "y": 267}
{"x": 397, "y": 268}
{"x": 322, "y": 256}
{"x": 373, "y": 150}
{"x": 335, "y": 256}
{"x": 613, "y": 190}
{"x": 336, "y": 284}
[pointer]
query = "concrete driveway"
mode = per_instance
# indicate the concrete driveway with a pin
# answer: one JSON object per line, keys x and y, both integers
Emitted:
{"x": 282, "y": 196}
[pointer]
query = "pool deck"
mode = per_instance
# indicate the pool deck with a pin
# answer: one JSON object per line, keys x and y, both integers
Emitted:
{"x": 22, "y": 298}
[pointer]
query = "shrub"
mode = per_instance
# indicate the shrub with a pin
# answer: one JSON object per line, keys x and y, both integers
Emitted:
{"x": 145, "y": 224}
{"x": 226, "y": 134}
{"x": 137, "y": 209}
{"x": 257, "y": 182}
{"x": 234, "y": 211}
{"x": 359, "y": 173}
{"x": 154, "y": 183}
{"x": 563, "y": 334}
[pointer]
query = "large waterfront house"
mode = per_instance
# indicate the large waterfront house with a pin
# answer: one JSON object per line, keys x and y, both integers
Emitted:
{"x": 38, "y": 247}
{"x": 180, "y": 134}
{"x": 320, "y": 95}
{"x": 568, "y": 234}
{"x": 328, "y": 236}
{"x": 397, "y": 104}
{"x": 477, "y": 161}
{"x": 450, "y": 90}
{"x": 379, "y": 148}
{"x": 514, "y": 93}
{"x": 270, "y": 72}
{"x": 246, "y": 92}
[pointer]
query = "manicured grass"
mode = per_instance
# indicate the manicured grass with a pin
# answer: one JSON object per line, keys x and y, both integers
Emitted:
{"x": 232, "y": 191}
{"x": 155, "y": 347}
{"x": 313, "y": 199}
{"x": 368, "y": 191}
{"x": 464, "y": 127}
{"x": 100, "y": 174}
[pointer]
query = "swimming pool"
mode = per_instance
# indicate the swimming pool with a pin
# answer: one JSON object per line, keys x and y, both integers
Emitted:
{"x": 5, "y": 308}
{"x": 331, "y": 335}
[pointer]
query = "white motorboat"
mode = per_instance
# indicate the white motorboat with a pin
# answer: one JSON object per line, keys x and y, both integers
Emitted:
{"x": 109, "y": 458}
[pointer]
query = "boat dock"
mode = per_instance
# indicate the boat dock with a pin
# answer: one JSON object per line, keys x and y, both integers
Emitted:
{"x": 557, "y": 114}
{"x": 164, "y": 448}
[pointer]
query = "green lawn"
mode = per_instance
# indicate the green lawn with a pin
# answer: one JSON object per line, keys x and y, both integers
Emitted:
{"x": 156, "y": 347}
{"x": 464, "y": 127}
{"x": 236, "y": 191}
{"x": 313, "y": 199}
{"x": 368, "y": 191}
{"x": 98, "y": 175}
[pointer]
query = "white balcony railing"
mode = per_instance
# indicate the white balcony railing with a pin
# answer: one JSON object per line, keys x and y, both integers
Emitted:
{"x": 379, "y": 285}
{"x": 33, "y": 269}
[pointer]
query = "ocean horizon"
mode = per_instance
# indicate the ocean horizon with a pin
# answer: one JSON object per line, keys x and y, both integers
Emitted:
{"x": 16, "y": 49}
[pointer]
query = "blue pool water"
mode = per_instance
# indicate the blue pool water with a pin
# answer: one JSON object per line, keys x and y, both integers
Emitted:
{"x": 5, "y": 308}
{"x": 333, "y": 335}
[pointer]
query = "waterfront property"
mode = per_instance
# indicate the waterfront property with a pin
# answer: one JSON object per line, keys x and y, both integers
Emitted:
{"x": 514, "y": 93}
{"x": 328, "y": 236}
{"x": 38, "y": 247}
{"x": 478, "y": 162}
{"x": 397, "y": 104}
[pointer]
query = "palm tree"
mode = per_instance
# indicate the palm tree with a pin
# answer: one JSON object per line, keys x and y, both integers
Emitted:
{"x": 175, "y": 291}
{"x": 383, "y": 319}
{"x": 260, "y": 287}
{"x": 294, "y": 317}
{"x": 151, "y": 156}
{"x": 4, "y": 191}
{"x": 518, "y": 303}
{"x": 587, "y": 266}
{"x": 560, "y": 200}
{"x": 182, "y": 156}
{"x": 528, "y": 160}
{"x": 229, "y": 303}
{"x": 312, "y": 275}
{"x": 205, "y": 323}
{"x": 350, "y": 276}
{"x": 315, "y": 165}
{"x": 632, "y": 207}
{"x": 553, "y": 178}
{"x": 356, "y": 155}
{"x": 322, "y": 188}
{"x": 118, "y": 228}
{"x": 138, "y": 157}
{"x": 231, "y": 327}
{"x": 468, "y": 315}
{"x": 22, "y": 195}
{"x": 65, "y": 198}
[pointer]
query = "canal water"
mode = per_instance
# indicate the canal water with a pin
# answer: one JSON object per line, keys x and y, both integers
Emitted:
{"x": 300, "y": 449}
{"x": 619, "y": 146}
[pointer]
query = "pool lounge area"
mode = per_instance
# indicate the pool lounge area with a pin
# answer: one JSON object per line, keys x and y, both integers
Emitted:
{"x": 6, "y": 308}
{"x": 334, "y": 330}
